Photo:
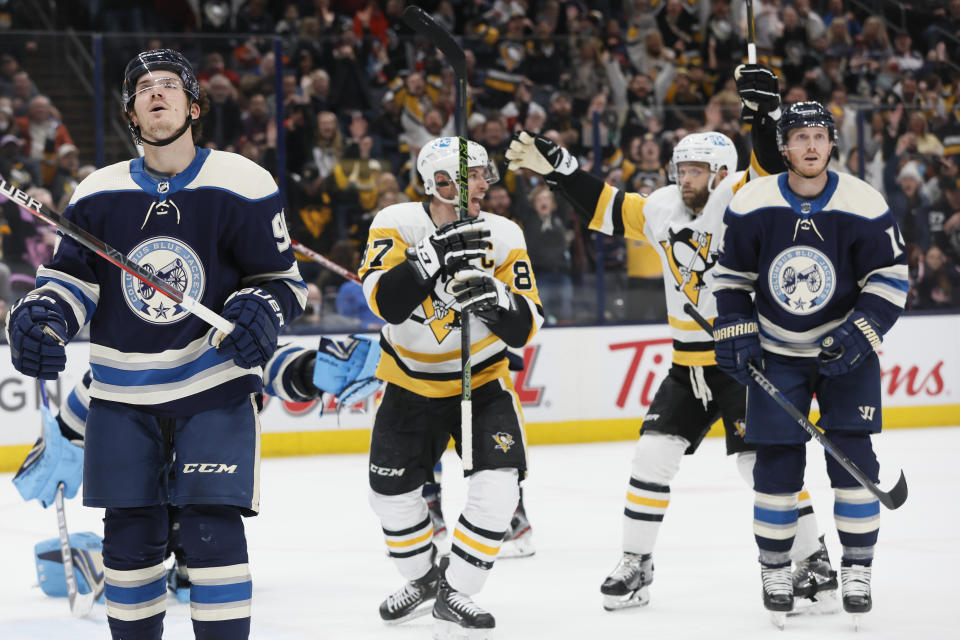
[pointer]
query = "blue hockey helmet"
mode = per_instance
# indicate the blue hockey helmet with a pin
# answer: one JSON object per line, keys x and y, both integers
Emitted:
{"x": 804, "y": 114}
{"x": 155, "y": 60}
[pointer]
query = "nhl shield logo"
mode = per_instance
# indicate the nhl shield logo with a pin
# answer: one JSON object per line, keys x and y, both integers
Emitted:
{"x": 802, "y": 279}
{"x": 174, "y": 262}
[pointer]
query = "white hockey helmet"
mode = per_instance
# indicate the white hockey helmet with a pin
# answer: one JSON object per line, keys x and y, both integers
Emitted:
{"x": 713, "y": 148}
{"x": 443, "y": 155}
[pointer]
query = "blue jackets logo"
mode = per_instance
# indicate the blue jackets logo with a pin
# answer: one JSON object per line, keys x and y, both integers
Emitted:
{"x": 802, "y": 280}
{"x": 174, "y": 262}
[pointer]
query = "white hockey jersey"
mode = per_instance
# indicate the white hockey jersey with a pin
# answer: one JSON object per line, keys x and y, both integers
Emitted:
{"x": 688, "y": 246}
{"x": 422, "y": 353}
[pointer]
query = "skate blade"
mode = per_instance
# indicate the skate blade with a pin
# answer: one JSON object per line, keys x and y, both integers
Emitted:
{"x": 779, "y": 619}
{"x": 639, "y": 598}
{"x": 825, "y": 603}
{"x": 521, "y": 547}
{"x": 446, "y": 630}
{"x": 856, "y": 620}
{"x": 421, "y": 610}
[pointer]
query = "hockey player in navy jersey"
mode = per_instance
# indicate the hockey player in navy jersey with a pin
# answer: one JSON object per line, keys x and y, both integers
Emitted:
{"x": 343, "y": 368}
{"x": 421, "y": 267}
{"x": 166, "y": 391}
{"x": 811, "y": 276}
{"x": 684, "y": 221}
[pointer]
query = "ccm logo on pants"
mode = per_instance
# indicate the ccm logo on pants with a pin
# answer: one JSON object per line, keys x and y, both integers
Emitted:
{"x": 386, "y": 471}
{"x": 208, "y": 467}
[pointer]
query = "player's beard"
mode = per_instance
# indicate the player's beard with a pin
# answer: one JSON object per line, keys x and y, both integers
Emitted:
{"x": 813, "y": 173}
{"x": 697, "y": 201}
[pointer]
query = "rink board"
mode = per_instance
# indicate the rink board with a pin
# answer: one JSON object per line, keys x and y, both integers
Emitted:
{"x": 581, "y": 384}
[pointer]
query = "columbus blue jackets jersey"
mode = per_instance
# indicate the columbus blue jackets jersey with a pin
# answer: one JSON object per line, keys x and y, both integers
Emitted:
{"x": 810, "y": 263}
{"x": 422, "y": 353}
{"x": 212, "y": 229}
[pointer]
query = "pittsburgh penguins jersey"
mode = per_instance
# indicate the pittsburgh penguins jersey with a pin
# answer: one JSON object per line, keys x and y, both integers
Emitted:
{"x": 214, "y": 228}
{"x": 422, "y": 353}
{"x": 810, "y": 263}
{"x": 688, "y": 247}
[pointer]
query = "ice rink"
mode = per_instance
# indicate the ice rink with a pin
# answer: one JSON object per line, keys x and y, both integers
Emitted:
{"x": 320, "y": 571}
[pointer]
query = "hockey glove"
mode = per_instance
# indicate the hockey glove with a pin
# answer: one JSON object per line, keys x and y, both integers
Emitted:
{"x": 481, "y": 294}
{"x": 452, "y": 245}
{"x": 541, "y": 155}
{"x": 53, "y": 460}
{"x": 847, "y": 347}
{"x": 341, "y": 365}
{"x": 736, "y": 342}
{"x": 759, "y": 90}
{"x": 257, "y": 319}
{"x": 36, "y": 332}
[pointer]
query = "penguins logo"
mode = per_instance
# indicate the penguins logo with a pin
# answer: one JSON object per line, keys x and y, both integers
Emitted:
{"x": 440, "y": 317}
{"x": 689, "y": 256}
{"x": 504, "y": 440}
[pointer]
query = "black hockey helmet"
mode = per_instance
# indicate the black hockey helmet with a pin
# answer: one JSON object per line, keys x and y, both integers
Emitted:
{"x": 804, "y": 114}
{"x": 158, "y": 59}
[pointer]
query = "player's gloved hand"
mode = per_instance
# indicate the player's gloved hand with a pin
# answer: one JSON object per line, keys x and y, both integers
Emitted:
{"x": 847, "y": 347}
{"x": 736, "y": 342}
{"x": 541, "y": 155}
{"x": 257, "y": 319}
{"x": 36, "y": 333}
{"x": 53, "y": 460}
{"x": 480, "y": 293}
{"x": 346, "y": 368}
{"x": 759, "y": 89}
{"x": 450, "y": 246}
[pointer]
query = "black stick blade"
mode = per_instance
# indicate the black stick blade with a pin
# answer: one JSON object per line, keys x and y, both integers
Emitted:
{"x": 894, "y": 498}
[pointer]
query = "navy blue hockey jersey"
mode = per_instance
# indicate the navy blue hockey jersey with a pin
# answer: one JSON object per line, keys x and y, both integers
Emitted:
{"x": 811, "y": 263}
{"x": 214, "y": 228}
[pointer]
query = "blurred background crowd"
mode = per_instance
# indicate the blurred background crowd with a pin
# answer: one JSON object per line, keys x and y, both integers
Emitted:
{"x": 616, "y": 81}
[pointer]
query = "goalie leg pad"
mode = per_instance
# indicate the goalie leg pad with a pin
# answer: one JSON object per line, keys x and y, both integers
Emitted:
{"x": 87, "y": 552}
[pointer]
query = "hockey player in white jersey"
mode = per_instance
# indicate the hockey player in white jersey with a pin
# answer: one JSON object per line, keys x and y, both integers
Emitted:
{"x": 812, "y": 275}
{"x": 684, "y": 222}
{"x": 421, "y": 267}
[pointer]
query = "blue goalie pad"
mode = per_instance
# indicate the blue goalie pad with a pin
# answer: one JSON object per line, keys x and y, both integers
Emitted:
{"x": 53, "y": 460}
{"x": 87, "y": 551}
{"x": 341, "y": 364}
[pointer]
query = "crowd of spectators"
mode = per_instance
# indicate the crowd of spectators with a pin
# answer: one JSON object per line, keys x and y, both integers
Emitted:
{"x": 616, "y": 81}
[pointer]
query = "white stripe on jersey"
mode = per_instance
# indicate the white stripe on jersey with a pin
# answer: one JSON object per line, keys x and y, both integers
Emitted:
{"x": 170, "y": 391}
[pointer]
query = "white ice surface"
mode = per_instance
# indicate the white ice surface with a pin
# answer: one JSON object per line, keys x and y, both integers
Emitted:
{"x": 320, "y": 571}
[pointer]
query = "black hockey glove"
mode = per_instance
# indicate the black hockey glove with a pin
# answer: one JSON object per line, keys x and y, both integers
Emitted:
{"x": 480, "y": 293}
{"x": 759, "y": 90}
{"x": 736, "y": 342}
{"x": 541, "y": 155}
{"x": 257, "y": 319}
{"x": 847, "y": 347}
{"x": 450, "y": 247}
{"x": 36, "y": 333}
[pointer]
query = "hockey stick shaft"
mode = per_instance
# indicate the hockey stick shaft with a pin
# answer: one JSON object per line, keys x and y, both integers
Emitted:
{"x": 325, "y": 261}
{"x": 418, "y": 20}
{"x": 890, "y": 499}
{"x": 110, "y": 254}
{"x": 751, "y": 35}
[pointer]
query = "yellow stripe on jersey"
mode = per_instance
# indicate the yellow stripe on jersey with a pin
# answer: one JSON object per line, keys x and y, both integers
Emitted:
{"x": 686, "y": 325}
{"x": 694, "y": 358}
{"x": 385, "y": 249}
{"x": 630, "y": 214}
{"x": 475, "y": 348}
{"x": 600, "y": 213}
{"x": 516, "y": 272}
{"x": 389, "y": 371}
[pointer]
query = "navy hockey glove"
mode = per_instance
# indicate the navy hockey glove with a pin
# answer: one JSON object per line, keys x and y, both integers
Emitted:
{"x": 53, "y": 460}
{"x": 847, "y": 347}
{"x": 36, "y": 333}
{"x": 541, "y": 155}
{"x": 480, "y": 293}
{"x": 346, "y": 368}
{"x": 736, "y": 342}
{"x": 452, "y": 245}
{"x": 257, "y": 317}
{"x": 759, "y": 89}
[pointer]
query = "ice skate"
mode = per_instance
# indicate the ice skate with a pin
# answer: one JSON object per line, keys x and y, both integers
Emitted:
{"x": 855, "y": 583}
{"x": 626, "y": 586}
{"x": 777, "y": 593}
{"x": 457, "y": 617}
{"x": 518, "y": 543}
{"x": 815, "y": 584}
{"x": 413, "y": 600}
{"x": 177, "y": 580}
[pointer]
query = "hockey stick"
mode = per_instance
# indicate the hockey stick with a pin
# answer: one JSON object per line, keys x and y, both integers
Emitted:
{"x": 107, "y": 252}
{"x": 418, "y": 20}
{"x": 751, "y": 35}
{"x": 80, "y": 603}
{"x": 325, "y": 261}
{"x": 892, "y": 499}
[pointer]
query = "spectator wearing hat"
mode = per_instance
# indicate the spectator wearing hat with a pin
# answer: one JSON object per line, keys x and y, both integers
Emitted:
{"x": 65, "y": 179}
{"x": 908, "y": 202}
{"x": 8, "y": 125}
